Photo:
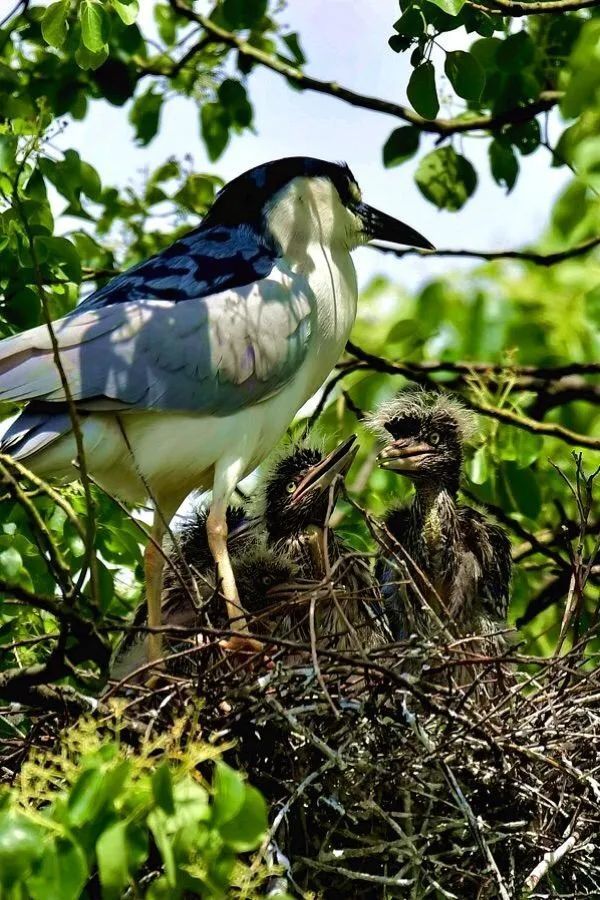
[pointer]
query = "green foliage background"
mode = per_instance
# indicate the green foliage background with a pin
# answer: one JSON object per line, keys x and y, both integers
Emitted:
{"x": 57, "y": 60}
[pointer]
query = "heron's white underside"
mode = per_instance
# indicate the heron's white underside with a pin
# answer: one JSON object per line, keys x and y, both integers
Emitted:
{"x": 170, "y": 454}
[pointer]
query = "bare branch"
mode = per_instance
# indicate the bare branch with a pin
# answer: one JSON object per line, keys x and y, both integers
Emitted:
{"x": 442, "y": 127}
{"x": 516, "y": 9}
{"x": 540, "y": 259}
{"x": 549, "y": 429}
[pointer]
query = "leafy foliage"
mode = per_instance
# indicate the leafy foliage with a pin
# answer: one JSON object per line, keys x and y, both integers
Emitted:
{"x": 117, "y": 817}
{"x": 498, "y": 335}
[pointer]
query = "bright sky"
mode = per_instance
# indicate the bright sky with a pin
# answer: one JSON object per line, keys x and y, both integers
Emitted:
{"x": 346, "y": 41}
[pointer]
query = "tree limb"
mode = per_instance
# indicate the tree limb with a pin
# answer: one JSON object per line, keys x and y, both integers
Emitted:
{"x": 515, "y": 9}
{"x": 549, "y": 429}
{"x": 441, "y": 127}
{"x": 540, "y": 259}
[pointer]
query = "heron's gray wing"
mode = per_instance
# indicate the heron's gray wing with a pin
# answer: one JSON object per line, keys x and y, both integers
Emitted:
{"x": 211, "y": 355}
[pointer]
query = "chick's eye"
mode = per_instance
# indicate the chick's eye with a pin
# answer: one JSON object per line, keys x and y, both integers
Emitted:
{"x": 266, "y": 580}
{"x": 290, "y": 487}
{"x": 434, "y": 438}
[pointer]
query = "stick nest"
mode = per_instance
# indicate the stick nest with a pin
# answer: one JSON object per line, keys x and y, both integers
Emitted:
{"x": 415, "y": 769}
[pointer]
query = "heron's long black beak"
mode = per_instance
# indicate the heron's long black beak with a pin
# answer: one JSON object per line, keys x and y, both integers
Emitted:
{"x": 322, "y": 475}
{"x": 381, "y": 227}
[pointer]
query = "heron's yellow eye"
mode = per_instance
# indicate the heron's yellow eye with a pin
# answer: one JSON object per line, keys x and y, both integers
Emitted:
{"x": 434, "y": 438}
{"x": 290, "y": 487}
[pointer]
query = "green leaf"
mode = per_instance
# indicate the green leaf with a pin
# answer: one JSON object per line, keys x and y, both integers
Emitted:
{"x": 245, "y": 831}
{"x": 522, "y": 489}
{"x": 60, "y": 254}
{"x": 62, "y": 873}
{"x": 229, "y": 793}
{"x": 145, "y": 116}
{"x": 525, "y": 136}
{"x": 411, "y": 24}
{"x": 197, "y": 193}
{"x": 95, "y": 26}
{"x": 402, "y": 143}
{"x": 503, "y": 164}
{"x": 232, "y": 96}
{"x": 162, "y": 788}
{"x": 88, "y": 796}
{"x": 465, "y": 74}
{"x": 11, "y": 563}
{"x": 20, "y": 845}
{"x": 515, "y": 52}
{"x": 214, "y": 122}
{"x": 446, "y": 178}
{"x": 127, "y": 10}
{"x": 244, "y": 13}
{"x": 8, "y": 152}
{"x": 165, "y": 22}
{"x": 157, "y": 822}
{"x": 292, "y": 42}
{"x": 111, "y": 853}
{"x": 451, "y": 7}
{"x": 86, "y": 59}
{"x": 54, "y": 23}
{"x": 421, "y": 91}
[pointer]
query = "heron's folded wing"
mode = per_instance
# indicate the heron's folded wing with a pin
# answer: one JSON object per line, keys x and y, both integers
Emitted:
{"x": 210, "y": 355}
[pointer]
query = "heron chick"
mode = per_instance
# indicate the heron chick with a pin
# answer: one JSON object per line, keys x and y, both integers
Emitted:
{"x": 293, "y": 503}
{"x": 456, "y": 560}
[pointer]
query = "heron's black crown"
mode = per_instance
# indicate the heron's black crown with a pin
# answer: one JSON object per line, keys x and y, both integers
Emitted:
{"x": 245, "y": 199}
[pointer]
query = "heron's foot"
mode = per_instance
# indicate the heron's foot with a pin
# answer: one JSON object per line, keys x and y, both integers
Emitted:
{"x": 245, "y": 651}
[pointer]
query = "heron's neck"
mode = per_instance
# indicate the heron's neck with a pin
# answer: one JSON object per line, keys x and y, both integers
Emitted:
{"x": 435, "y": 510}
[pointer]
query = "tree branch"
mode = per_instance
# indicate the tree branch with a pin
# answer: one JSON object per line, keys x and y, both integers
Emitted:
{"x": 540, "y": 259}
{"x": 549, "y": 429}
{"x": 516, "y": 9}
{"x": 442, "y": 127}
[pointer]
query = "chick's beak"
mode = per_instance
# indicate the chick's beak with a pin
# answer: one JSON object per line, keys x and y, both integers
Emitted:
{"x": 404, "y": 455}
{"x": 321, "y": 476}
{"x": 378, "y": 226}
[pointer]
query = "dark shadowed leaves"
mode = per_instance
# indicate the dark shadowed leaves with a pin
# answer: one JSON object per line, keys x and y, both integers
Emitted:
{"x": 465, "y": 74}
{"x": 503, "y": 164}
{"x": 421, "y": 91}
{"x": 145, "y": 116}
{"x": 214, "y": 123}
{"x": 446, "y": 178}
{"x": 402, "y": 143}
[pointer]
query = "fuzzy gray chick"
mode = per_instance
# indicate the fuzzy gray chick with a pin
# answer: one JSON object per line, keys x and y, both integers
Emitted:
{"x": 190, "y": 599}
{"x": 293, "y": 502}
{"x": 457, "y": 559}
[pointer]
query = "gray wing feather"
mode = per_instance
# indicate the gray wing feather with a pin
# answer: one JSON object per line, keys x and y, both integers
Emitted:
{"x": 207, "y": 355}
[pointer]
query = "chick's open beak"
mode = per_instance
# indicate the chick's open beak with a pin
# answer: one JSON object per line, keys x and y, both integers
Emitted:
{"x": 403, "y": 456}
{"x": 321, "y": 476}
{"x": 378, "y": 226}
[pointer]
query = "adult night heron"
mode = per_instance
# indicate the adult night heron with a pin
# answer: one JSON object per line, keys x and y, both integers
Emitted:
{"x": 186, "y": 369}
{"x": 456, "y": 559}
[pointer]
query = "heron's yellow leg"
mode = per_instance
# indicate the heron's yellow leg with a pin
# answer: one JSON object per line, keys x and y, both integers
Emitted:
{"x": 216, "y": 530}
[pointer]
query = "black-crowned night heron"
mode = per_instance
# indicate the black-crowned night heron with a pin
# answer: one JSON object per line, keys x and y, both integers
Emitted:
{"x": 457, "y": 560}
{"x": 186, "y": 369}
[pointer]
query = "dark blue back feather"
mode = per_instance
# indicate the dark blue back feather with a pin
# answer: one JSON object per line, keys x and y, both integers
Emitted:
{"x": 202, "y": 262}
